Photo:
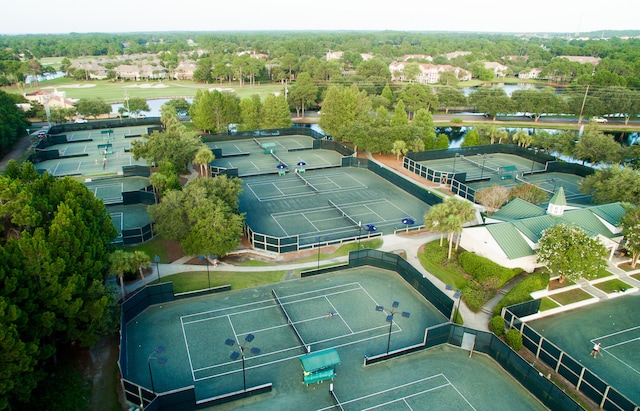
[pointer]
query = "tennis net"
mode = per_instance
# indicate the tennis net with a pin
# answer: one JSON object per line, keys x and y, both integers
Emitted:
{"x": 335, "y": 398}
{"x": 307, "y": 183}
{"x": 255, "y": 140}
{"x": 278, "y": 158}
{"x": 293, "y": 327}
{"x": 345, "y": 215}
{"x": 482, "y": 166}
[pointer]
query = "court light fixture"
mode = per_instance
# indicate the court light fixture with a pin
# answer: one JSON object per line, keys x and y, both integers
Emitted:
{"x": 240, "y": 354}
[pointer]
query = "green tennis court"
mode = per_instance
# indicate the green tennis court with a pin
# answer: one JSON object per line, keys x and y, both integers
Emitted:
{"x": 499, "y": 167}
{"x": 267, "y": 155}
{"x": 194, "y": 332}
{"x": 327, "y": 203}
{"x": 128, "y": 216}
{"x": 110, "y": 189}
{"x": 612, "y": 324}
{"x": 106, "y": 153}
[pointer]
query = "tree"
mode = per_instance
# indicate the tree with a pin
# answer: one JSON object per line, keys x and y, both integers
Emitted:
{"x": 180, "y": 105}
{"x": 249, "y": 114}
{"x": 399, "y": 117}
{"x": 492, "y": 198}
{"x": 538, "y": 102}
{"x": 203, "y": 217}
{"x": 449, "y": 217}
{"x": 419, "y": 96}
{"x": 631, "y": 230}
{"x": 93, "y": 107}
{"x": 596, "y": 147}
{"x": 54, "y": 259}
{"x": 567, "y": 251}
{"x": 137, "y": 105}
{"x": 120, "y": 264}
{"x": 491, "y": 101}
{"x": 303, "y": 93}
{"x": 342, "y": 108}
{"x": 449, "y": 96}
{"x": 529, "y": 192}
{"x": 214, "y": 111}
{"x": 177, "y": 146}
{"x": 613, "y": 183}
{"x": 14, "y": 123}
{"x": 399, "y": 149}
{"x": 203, "y": 157}
{"x": 275, "y": 113}
{"x": 140, "y": 260}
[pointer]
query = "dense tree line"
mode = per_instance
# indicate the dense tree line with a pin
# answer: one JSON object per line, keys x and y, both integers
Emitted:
{"x": 54, "y": 260}
{"x": 13, "y": 123}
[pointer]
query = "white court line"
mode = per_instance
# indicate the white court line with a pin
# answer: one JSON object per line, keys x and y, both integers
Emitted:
{"x": 274, "y": 185}
{"x": 459, "y": 393}
{"x": 55, "y": 170}
{"x": 279, "y": 225}
{"x": 312, "y": 225}
{"x": 335, "y": 310}
{"x": 186, "y": 344}
{"x": 616, "y": 333}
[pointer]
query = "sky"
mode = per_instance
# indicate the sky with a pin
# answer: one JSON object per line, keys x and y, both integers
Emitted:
{"x": 117, "y": 16}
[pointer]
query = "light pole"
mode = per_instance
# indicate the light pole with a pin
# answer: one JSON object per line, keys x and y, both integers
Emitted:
{"x": 454, "y": 163}
{"x": 159, "y": 360}
{"x": 206, "y": 258}
{"x": 157, "y": 260}
{"x": 458, "y": 295}
{"x": 393, "y": 311}
{"x": 484, "y": 159}
{"x": 234, "y": 355}
{"x": 533, "y": 160}
{"x": 359, "y": 233}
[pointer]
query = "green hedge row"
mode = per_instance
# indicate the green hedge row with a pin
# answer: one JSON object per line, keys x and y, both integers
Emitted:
{"x": 489, "y": 274}
{"x": 522, "y": 291}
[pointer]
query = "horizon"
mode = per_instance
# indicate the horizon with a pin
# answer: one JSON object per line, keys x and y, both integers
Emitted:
{"x": 147, "y": 16}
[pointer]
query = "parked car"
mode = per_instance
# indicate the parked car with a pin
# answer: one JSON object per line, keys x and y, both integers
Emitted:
{"x": 80, "y": 120}
{"x": 599, "y": 119}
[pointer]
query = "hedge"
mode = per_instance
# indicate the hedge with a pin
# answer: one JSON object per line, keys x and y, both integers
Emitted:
{"x": 521, "y": 292}
{"x": 485, "y": 271}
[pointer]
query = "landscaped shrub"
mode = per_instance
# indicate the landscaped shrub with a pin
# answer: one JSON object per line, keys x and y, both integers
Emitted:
{"x": 521, "y": 291}
{"x": 485, "y": 271}
{"x": 496, "y": 325}
{"x": 475, "y": 297}
{"x": 514, "y": 339}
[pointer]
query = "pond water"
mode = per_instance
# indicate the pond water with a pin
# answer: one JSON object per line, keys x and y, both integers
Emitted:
{"x": 154, "y": 106}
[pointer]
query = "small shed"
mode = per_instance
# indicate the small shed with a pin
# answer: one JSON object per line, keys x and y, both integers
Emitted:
{"x": 319, "y": 366}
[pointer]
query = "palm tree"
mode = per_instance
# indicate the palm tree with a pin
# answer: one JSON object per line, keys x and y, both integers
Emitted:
{"x": 449, "y": 217}
{"x": 120, "y": 264}
{"x": 203, "y": 157}
{"x": 140, "y": 260}
{"x": 399, "y": 149}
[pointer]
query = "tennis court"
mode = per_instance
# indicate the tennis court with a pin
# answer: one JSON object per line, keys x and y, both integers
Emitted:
{"x": 328, "y": 203}
{"x": 107, "y": 153}
{"x": 110, "y": 189}
{"x": 270, "y": 155}
{"x": 611, "y": 323}
{"x": 128, "y": 216}
{"x": 335, "y": 310}
{"x": 498, "y": 167}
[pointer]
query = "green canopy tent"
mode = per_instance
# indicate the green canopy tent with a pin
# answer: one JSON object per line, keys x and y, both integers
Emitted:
{"x": 319, "y": 366}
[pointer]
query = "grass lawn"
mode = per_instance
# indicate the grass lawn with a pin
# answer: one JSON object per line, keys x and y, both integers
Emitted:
{"x": 612, "y": 286}
{"x": 571, "y": 296}
{"x": 152, "y": 248}
{"x": 434, "y": 260}
{"x": 636, "y": 276}
{"x": 197, "y": 280}
{"x": 547, "y": 304}
{"x": 113, "y": 92}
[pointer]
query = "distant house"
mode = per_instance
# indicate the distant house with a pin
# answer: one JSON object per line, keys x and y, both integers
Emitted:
{"x": 583, "y": 59}
{"x": 418, "y": 57}
{"x": 530, "y": 73}
{"x": 95, "y": 71}
{"x": 499, "y": 70}
{"x": 455, "y": 54}
{"x": 142, "y": 72}
{"x": 511, "y": 235}
{"x": 429, "y": 73}
{"x": 337, "y": 55}
{"x": 184, "y": 70}
{"x": 51, "y": 98}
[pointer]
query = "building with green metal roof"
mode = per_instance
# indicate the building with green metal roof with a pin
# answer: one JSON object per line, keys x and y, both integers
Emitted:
{"x": 510, "y": 236}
